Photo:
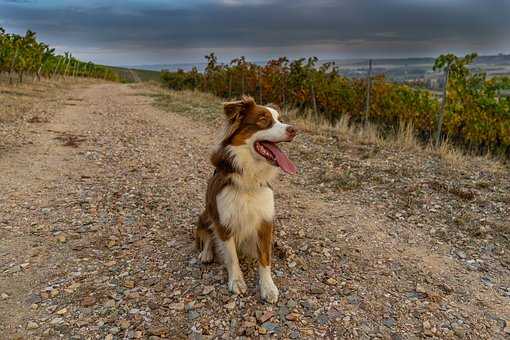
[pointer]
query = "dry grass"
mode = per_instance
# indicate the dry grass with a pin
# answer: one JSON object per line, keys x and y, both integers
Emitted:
{"x": 207, "y": 106}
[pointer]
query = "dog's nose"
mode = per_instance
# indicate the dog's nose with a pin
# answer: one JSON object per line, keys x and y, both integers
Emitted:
{"x": 292, "y": 131}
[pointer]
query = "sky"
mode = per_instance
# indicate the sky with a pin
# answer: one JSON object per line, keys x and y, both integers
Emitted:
{"x": 136, "y": 32}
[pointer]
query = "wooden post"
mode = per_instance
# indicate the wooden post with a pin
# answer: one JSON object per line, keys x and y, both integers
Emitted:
{"x": 242, "y": 82}
{"x": 230, "y": 85}
{"x": 443, "y": 106}
{"x": 369, "y": 88}
{"x": 260, "y": 87}
{"x": 314, "y": 103}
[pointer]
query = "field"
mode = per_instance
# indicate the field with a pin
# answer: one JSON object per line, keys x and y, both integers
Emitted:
{"x": 375, "y": 237}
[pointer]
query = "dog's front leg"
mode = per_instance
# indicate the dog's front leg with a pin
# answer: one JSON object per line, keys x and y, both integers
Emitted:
{"x": 268, "y": 290}
{"x": 236, "y": 282}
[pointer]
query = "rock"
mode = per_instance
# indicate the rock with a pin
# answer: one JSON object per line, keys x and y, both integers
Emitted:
{"x": 33, "y": 298}
{"x": 108, "y": 337}
{"x": 292, "y": 317}
{"x": 129, "y": 284}
{"x": 61, "y": 238}
{"x": 207, "y": 290}
{"x": 294, "y": 334}
{"x": 32, "y": 325}
{"x": 507, "y": 328}
{"x": 192, "y": 315}
{"x": 316, "y": 290}
{"x": 56, "y": 321}
{"x": 292, "y": 264}
{"x": 231, "y": 305}
{"x": 157, "y": 330}
{"x": 177, "y": 306}
{"x": 114, "y": 330}
{"x": 390, "y": 322}
{"x": 4, "y": 296}
{"x": 420, "y": 289}
{"x": 62, "y": 311}
{"x": 270, "y": 327}
{"x": 266, "y": 316}
{"x": 124, "y": 324}
{"x": 331, "y": 281}
{"x": 88, "y": 301}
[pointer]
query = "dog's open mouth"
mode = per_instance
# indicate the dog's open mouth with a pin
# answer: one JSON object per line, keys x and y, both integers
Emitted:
{"x": 275, "y": 156}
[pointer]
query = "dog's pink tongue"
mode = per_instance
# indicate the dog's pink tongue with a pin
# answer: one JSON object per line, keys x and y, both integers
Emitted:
{"x": 281, "y": 159}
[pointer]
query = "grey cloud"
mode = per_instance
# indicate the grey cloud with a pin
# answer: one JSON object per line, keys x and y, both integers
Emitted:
{"x": 364, "y": 26}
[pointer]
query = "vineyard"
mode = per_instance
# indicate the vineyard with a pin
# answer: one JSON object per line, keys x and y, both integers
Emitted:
{"x": 475, "y": 115}
{"x": 22, "y": 56}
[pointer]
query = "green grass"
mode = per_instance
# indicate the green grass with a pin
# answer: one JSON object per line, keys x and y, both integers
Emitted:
{"x": 128, "y": 75}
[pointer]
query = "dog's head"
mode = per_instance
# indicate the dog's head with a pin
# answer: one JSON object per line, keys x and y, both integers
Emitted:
{"x": 258, "y": 129}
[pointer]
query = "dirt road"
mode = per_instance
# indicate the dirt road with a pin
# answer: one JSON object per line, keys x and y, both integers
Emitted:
{"x": 96, "y": 222}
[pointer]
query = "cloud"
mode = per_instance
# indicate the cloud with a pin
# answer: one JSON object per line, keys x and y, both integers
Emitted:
{"x": 350, "y": 28}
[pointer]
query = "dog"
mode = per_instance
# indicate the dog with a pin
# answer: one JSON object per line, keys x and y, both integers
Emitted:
{"x": 239, "y": 208}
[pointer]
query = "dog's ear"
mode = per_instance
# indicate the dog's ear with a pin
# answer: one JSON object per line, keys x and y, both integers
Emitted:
{"x": 236, "y": 110}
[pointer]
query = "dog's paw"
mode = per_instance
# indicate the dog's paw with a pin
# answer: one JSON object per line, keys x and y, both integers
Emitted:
{"x": 206, "y": 255}
{"x": 268, "y": 291}
{"x": 237, "y": 286}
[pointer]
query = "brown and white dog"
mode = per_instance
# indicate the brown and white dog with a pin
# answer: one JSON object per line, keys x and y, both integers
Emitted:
{"x": 239, "y": 201}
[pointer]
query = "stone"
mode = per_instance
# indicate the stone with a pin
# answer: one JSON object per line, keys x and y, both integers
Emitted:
{"x": 62, "y": 311}
{"x": 124, "y": 324}
{"x": 56, "y": 321}
{"x": 207, "y": 290}
{"x": 88, "y": 301}
{"x": 32, "y": 325}
{"x": 192, "y": 315}
{"x": 270, "y": 327}
{"x": 129, "y": 284}
{"x": 231, "y": 305}
{"x": 4, "y": 296}
{"x": 292, "y": 317}
{"x": 177, "y": 306}
{"x": 266, "y": 316}
{"x": 331, "y": 281}
{"x": 390, "y": 322}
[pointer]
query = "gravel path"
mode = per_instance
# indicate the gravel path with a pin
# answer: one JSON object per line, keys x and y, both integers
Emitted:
{"x": 97, "y": 218}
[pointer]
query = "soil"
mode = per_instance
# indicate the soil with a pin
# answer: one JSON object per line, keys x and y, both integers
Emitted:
{"x": 98, "y": 206}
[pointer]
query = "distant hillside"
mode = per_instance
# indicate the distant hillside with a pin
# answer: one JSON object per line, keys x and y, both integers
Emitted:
{"x": 133, "y": 75}
{"x": 398, "y": 69}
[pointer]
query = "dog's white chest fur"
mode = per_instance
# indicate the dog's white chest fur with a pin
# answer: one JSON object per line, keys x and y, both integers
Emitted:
{"x": 242, "y": 211}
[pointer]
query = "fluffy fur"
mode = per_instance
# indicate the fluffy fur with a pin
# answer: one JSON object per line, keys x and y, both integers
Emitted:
{"x": 239, "y": 211}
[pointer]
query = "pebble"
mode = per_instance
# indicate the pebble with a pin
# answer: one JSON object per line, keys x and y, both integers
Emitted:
{"x": 124, "y": 324}
{"x": 270, "y": 327}
{"x": 192, "y": 315}
{"x": 231, "y": 305}
{"x": 62, "y": 311}
{"x": 177, "y": 306}
{"x": 88, "y": 301}
{"x": 389, "y": 322}
{"x": 32, "y": 325}
{"x": 331, "y": 281}
{"x": 207, "y": 290}
{"x": 56, "y": 321}
{"x": 4, "y": 296}
{"x": 292, "y": 317}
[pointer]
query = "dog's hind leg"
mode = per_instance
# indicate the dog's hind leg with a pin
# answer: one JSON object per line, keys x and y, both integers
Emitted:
{"x": 204, "y": 239}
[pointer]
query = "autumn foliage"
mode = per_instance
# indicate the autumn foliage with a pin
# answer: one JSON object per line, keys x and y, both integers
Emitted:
{"x": 475, "y": 114}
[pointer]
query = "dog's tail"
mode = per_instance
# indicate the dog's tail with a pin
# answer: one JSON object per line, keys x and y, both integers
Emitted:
{"x": 203, "y": 233}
